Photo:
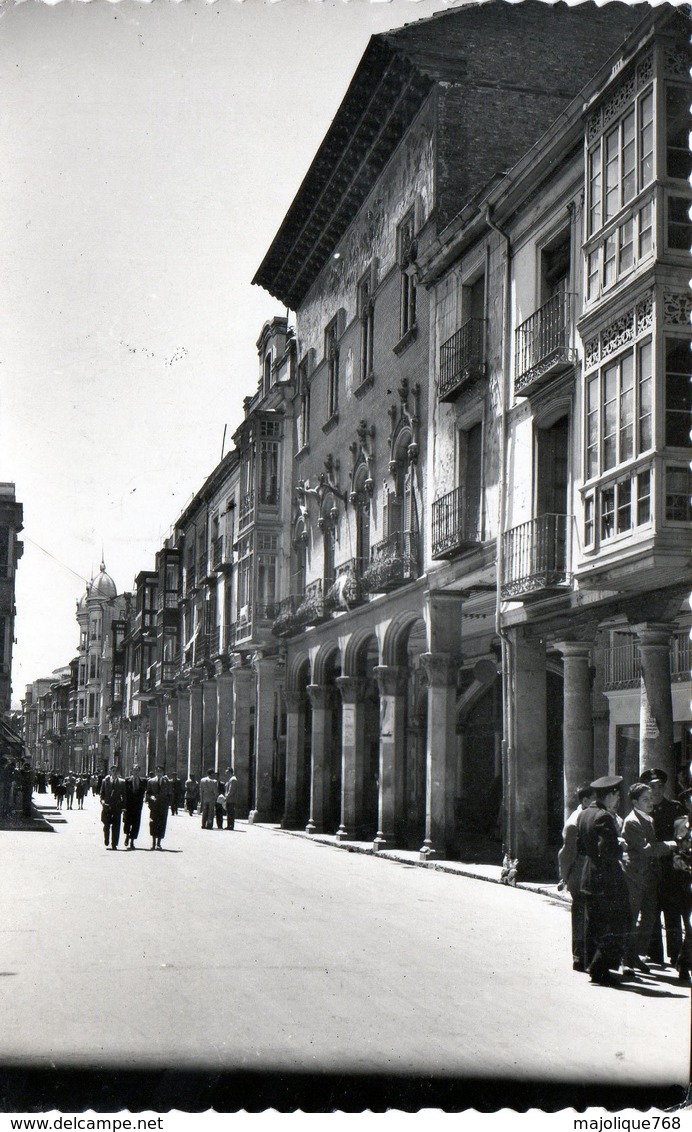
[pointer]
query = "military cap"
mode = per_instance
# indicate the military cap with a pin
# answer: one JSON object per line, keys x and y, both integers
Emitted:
{"x": 654, "y": 774}
{"x": 607, "y": 782}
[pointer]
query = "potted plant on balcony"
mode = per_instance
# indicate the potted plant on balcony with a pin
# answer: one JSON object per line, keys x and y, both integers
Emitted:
{"x": 285, "y": 623}
{"x": 311, "y": 609}
{"x": 383, "y": 573}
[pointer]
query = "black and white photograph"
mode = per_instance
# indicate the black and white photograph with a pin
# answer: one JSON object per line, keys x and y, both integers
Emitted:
{"x": 345, "y": 513}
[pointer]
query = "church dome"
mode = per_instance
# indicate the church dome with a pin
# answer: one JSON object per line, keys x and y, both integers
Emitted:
{"x": 102, "y": 588}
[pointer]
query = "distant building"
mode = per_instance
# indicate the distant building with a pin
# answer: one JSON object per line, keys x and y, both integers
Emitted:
{"x": 11, "y": 549}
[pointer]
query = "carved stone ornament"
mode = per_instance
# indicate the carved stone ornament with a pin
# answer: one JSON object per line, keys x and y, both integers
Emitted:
{"x": 404, "y": 418}
{"x": 363, "y": 452}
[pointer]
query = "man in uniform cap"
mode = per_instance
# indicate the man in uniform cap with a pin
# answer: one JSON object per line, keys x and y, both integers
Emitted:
{"x": 671, "y": 895}
{"x": 603, "y": 883}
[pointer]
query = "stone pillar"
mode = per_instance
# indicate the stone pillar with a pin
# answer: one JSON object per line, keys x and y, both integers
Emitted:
{"x": 321, "y": 698}
{"x": 209, "y": 725}
{"x": 243, "y": 699}
{"x": 656, "y": 707}
{"x": 182, "y": 767}
{"x": 194, "y": 759}
{"x": 392, "y": 682}
{"x": 352, "y": 756}
{"x": 160, "y": 754}
{"x": 263, "y": 802}
{"x": 577, "y": 726}
{"x": 171, "y": 735}
{"x": 527, "y": 792}
{"x": 295, "y": 756}
{"x": 441, "y": 755}
{"x": 224, "y": 716}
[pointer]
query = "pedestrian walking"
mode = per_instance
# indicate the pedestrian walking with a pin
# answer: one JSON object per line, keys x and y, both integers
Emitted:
{"x": 69, "y": 782}
{"x": 5, "y": 787}
{"x": 682, "y": 864}
{"x": 571, "y": 865}
{"x": 606, "y": 911}
{"x": 191, "y": 794}
{"x": 231, "y": 795}
{"x": 175, "y": 793}
{"x": 642, "y": 868}
{"x": 671, "y": 886}
{"x": 208, "y": 793}
{"x": 158, "y": 798}
{"x": 135, "y": 789}
{"x": 80, "y": 790}
{"x": 112, "y": 805}
{"x": 59, "y": 791}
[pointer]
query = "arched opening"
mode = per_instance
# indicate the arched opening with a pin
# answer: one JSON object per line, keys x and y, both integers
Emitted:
{"x": 332, "y": 813}
{"x": 368, "y": 659}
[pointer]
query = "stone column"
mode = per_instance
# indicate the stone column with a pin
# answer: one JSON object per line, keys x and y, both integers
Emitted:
{"x": 295, "y": 756}
{"x": 441, "y": 755}
{"x": 224, "y": 715}
{"x": 656, "y": 707}
{"x": 577, "y": 726}
{"x": 209, "y": 725}
{"x": 183, "y": 766}
{"x": 263, "y": 802}
{"x": 352, "y": 756}
{"x": 527, "y": 792}
{"x": 392, "y": 681}
{"x": 194, "y": 759}
{"x": 321, "y": 698}
{"x": 171, "y": 736}
{"x": 160, "y": 709}
{"x": 243, "y": 699}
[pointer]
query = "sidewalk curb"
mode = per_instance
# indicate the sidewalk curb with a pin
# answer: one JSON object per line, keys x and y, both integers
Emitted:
{"x": 542, "y": 888}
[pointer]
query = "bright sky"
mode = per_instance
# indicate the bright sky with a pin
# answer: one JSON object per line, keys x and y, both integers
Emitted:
{"x": 149, "y": 154}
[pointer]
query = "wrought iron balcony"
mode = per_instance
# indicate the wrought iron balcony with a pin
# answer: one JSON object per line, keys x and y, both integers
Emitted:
{"x": 393, "y": 563}
{"x": 452, "y": 528}
{"x": 544, "y": 344}
{"x": 312, "y": 608}
{"x": 221, "y": 552}
{"x": 286, "y": 622}
{"x": 462, "y": 358}
{"x": 346, "y": 590}
{"x": 680, "y": 657}
{"x": 535, "y": 558}
{"x": 622, "y": 666}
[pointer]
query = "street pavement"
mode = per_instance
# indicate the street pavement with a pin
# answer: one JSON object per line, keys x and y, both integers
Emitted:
{"x": 258, "y": 951}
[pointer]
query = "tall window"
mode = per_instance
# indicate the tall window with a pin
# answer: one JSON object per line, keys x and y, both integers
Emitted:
{"x": 244, "y": 580}
{"x": 303, "y": 423}
{"x": 678, "y": 393}
{"x": 406, "y": 254}
{"x": 366, "y": 311}
{"x": 269, "y": 472}
{"x": 267, "y": 374}
{"x": 678, "y": 159}
{"x": 329, "y": 549}
{"x": 267, "y": 561}
{"x": 619, "y": 429}
{"x": 4, "y": 552}
{"x": 331, "y": 353}
{"x": 621, "y": 163}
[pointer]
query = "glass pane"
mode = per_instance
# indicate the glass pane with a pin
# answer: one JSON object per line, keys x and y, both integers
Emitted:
{"x": 595, "y": 189}
{"x": 624, "y": 495}
{"x": 645, "y": 230}
{"x": 678, "y": 160}
{"x": 646, "y": 140}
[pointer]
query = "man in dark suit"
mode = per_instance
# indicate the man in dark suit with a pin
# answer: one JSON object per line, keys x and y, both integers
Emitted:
{"x": 135, "y": 789}
{"x": 671, "y": 896}
{"x": 603, "y": 885}
{"x": 642, "y": 866}
{"x": 158, "y": 800}
{"x": 112, "y": 806}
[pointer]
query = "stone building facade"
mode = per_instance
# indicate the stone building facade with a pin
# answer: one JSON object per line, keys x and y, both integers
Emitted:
{"x": 11, "y": 514}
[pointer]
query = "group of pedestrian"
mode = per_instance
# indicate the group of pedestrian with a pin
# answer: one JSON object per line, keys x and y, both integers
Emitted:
{"x": 16, "y": 787}
{"x": 122, "y": 802}
{"x": 217, "y": 799}
{"x": 624, "y": 876}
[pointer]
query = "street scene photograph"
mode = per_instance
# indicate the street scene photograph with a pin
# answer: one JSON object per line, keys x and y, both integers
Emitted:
{"x": 345, "y": 513}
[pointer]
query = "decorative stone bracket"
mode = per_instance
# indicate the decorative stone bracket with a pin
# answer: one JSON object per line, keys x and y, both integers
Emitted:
{"x": 327, "y": 484}
{"x": 363, "y": 452}
{"x": 403, "y": 418}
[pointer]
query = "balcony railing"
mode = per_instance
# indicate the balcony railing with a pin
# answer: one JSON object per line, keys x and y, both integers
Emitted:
{"x": 221, "y": 552}
{"x": 461, "y": 358}
{"x": 393, "y": 563}
{"x": 286, "y": 622}
{"x": 623, "y": 666}
{"x": 535, "y": 557}
{"x": 190, "y": 580}
{"x": 453, "y": 528}
{"x": 346, "y": 590}
{"x": 312, "y": 608}
{"x": 544, "y": 344}
{"x": 169, "y": 599}
{"x": 250, "y": 619}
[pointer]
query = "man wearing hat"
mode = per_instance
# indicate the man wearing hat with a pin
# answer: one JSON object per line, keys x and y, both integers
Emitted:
{"x": 603, "y": 883}
{"x": 671, "y": 896}
{"x": 571, "y": 864}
